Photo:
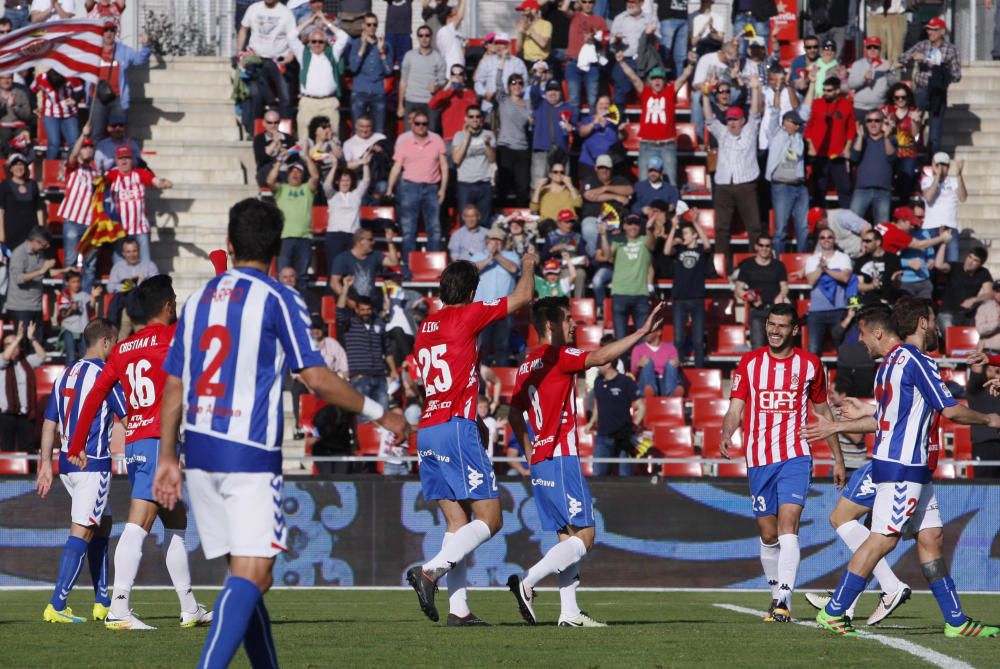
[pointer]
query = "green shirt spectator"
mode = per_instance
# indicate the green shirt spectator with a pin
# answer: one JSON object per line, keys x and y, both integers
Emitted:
{"x": 295, "y": 200}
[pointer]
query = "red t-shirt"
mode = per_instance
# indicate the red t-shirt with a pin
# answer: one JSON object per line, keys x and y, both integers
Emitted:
{"x": 545, "y": 387}
{"x": 894, "y": 240}
{"x": 453, "y": 104}
{"x": 579, "y": 25}
{"x": 658, "y": 121}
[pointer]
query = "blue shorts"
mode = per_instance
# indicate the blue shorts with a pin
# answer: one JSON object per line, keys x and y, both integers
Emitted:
{"x": 561, "y": 494}
{"x": 453, "y": 462}
{"x": 141, "y": 458}
{"x": 785, "y": 482}
{"x": 861, "y": 489}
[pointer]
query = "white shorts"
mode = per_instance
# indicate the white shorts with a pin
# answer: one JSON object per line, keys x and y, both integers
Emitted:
{"x": 903, "y": 507}
{"x": 90, "y": 492}
{"x": 238, "y": 514}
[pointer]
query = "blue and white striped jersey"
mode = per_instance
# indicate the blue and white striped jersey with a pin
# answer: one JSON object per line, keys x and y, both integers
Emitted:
{"x": 236, "y": 339}
{"x": 908, "y": 391}
{"x": 68, "y": 397}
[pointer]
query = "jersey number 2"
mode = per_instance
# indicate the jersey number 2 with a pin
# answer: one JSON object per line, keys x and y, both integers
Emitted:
{"x": 205, "y": 387}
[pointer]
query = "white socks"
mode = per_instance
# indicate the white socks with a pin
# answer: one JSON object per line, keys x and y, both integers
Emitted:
{"x": 769, "y": 560}
{"x": 128, "y": 553}
{"x": 458, "y": 603}
{"x": 467, "y": 539}
{"x": 569, "y": 581}
{"x": 854, "y": 534}
{"x": 177, "y": 565}
{"x": 788, "y": 566}
{"x": 558, "y": 558}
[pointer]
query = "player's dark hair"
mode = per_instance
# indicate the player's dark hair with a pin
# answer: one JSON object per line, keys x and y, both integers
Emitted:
{"x": 980, "y": 252}
{"x": 784, "y": 309}
{"x": 877, "y": 315}
{"x": 151, "y": 296}
{"x": 907, "y": 312}
{"x": 459, "y": 281}
{"x": 548, "y": 310}
{"x": 98, "y": 329}
{"x": 255, "y": 230}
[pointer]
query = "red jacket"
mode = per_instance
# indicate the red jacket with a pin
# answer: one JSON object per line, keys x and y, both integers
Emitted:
{"x": 831, "y": 127}
{"x": 453, "y": 102}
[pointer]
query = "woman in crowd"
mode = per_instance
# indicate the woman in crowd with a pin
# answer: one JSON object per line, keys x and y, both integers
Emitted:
{"x": 343, "y": 196}
{"x": 906, "y": 122}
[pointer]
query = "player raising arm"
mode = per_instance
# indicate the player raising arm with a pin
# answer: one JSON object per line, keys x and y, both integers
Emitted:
{"x": 235, "y": 342}
{"x": 545, "y": 391}
{"x": 455, "y": 468}
{"x": 776, "y": 381}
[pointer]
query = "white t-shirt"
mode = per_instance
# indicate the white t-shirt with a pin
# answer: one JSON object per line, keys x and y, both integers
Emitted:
{"x": 355, "y": 147}
{"x": 944, "y": 212}
{"x": 271, "y": 28}
{"x": 707, "y": 65}
{"x": 451, "y": 45}
{"x": 46, "y": 5}
{"x": 839, "y": 261}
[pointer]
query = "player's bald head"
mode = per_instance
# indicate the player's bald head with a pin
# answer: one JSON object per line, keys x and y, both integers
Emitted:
{"x": 255, "y": 231}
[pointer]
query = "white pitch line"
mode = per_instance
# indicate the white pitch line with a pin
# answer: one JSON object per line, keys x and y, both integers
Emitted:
{"x": 925, "y": 654}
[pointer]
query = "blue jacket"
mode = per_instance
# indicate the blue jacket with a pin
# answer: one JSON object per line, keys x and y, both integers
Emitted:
{"x": 548, "y": 133}
{"x": 127, "y": 57}
{"x": 369, "y": 72}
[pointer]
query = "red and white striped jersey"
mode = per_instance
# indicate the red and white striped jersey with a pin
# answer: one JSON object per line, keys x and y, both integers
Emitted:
{"x": 55, "y": 102}
{"x": 776, "y": 391}
{"x": 130, "y": 191}
{"x": 77, "y": 203}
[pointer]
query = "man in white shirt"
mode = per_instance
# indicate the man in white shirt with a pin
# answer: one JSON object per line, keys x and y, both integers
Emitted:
{"x": 626, "y": 32}
{"x": 712, "y": 66}
{"x": 942, "y": 193}
{"x": 319, "y": 77}
{"x": 365, "y": 139}
{"x": 449, "y": 41}
{"x": 268, "y": 28}
{"x": 52, "y": 10}
{"x": 497, "y": 69}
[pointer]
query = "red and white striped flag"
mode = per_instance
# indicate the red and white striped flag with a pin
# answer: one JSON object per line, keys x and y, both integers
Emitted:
{"x": 71, "y": 47}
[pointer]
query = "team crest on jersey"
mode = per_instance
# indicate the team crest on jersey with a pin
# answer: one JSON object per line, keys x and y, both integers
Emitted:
{"x": 794, "y": 383}
{"x": 574, "y": 351}
{"x": 491, "y": 303}
{"x": 737, "y": 379}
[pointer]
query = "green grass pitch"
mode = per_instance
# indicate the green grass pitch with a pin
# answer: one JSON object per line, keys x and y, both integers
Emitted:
{"x": 364, "y": 628}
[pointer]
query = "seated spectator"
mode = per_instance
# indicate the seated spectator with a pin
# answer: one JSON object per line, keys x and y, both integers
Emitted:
{"x": 827, "y": 67}
{"x": 829, "y": 133}
{"x": 367, "y": 141}
{"x": 367, "y": 346}
{"x": 874, "y": 154}
{"x": 618, "y": 412}
{"x": 268, "y": 29}
{"x": 550, "y": 131}
{"x": 656, "y": 365}
{"x": 654, "y": 189}
{"x": 19, "y": 395}
{"x": 321, "y": 66}
{"x": 520, "y": 240}
{"x": 985, "y": 442}
{"x": 295, "y": 200}
{"x": 422, "y": 74}
{"x": 492, "y": 425}
{"x": 761, "y": 281}
{"x": 987, "y": 319}
{"x": 15, "y": 112}
{"x": 534, "y": 34}
{"x": 362, "y": 262}
{"x": 115, "y": 52}
{"x": 28, "y": 268}
{"x": 498, "y": 272}
{"x": 905, "y": 124}
{"x": 632, "y": 260}
{"x": 601, "y": 134}
{"x": 474, "y": 153}
{"x": 565, "y": 243}
{"x": 828, "y": 272}
{"x": 286, "y": 277}
{"x": 60, "y": 97}
{"x": 470, "y": 239}
{"x": 452, "y": 102}
{"x": 870, "y": 78}
{"x": 967, "y": 289}
{"x": 131, "y": 269}
{"x": 74, "y": 309}
{"x": 942, "y": 191}
{"x": 555, "y": 194}
{"x": 267, "y": 146}
{"x": 604, "y": 188}
{"x": 878, "y": 271}
{"x": 52, "y": 10}
{"x": 513, "y": 142}
{"x": 371, "y": 62}
{"x": 115, "y": 138}
{"x": 496, "y": 69}
{"x": 22, "y": 208}
{"x": 323, "y": 146}
{"x": 552, "y": 283}
{"x": 76, "y": 209}
{"x": 344, "y": 194}
{"x": 692, "y": 255}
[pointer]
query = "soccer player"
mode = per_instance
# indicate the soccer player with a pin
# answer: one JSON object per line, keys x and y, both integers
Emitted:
{"x": 908, "y": 390}
{"x": 545, "y": 390}
{"x": 858, "y": 496}
{"x": 137, "y": 363}
{"x": 455, "y": 468}
{"x": 237, "y": 338}
{"x": 88, "y": 487}
{"x": 776, "y": 381}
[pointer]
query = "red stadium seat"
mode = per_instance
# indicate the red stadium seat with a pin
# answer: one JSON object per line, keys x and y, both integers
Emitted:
{"x": 696, "y": 178}
{"x": 719, "y": 264}
{"x": 732, "y": 340}
{"x": 673, "y": 439}
{"x": 427, "y": 266}
{"x": 788, "y": 51}
{"x": 506, "y": 376}
{"x": 707, "y": 219}
{"x": 631, "y": 141}
{"x": 434, "y": 305}
{"x": 588, "y": 337}
{"x": 378, "y": 213}
{"x": 736, "y": 469}
{"x": 14, "y": 466}
{"x": 687, "y": 137}
{"x": 45, "y": 378}
{"x": 53, "y": 176}
{"x": 308, "y": 406}
{"x": 703, "y": 382}
{"x": 710, "y": 445}
{"x": 684, "y": 96}
{"x": 319, "y": 220}
{"x": 664, "y": 411}
{"x": 328, "y": 309}
{"x": 960, "y": 340}
{"x": 681, "y": 469}
{"x": 368, "y": 438}
{"x": 584, "y": 310}
{"x": 708, "y": 412}
{"x": 958, "y": 439}
{"x": 795, "y": 262}
{"x": 946, "y": 470}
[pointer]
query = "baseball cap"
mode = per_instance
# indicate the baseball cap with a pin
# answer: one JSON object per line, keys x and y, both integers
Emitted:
{"x": 906, "y": 214}
{"x": 489, "y": 38}
{"x": 734, "y": 113}
{"x": 873, "y": 41}
{"x": 17, "y": 158}
{"x": 552, "y": 85}
{"x": 941, "y": 158}
{"x": 117, "y": 119}
{"x": 657, "y": 73}
{"x": 814, "y": 216}
{"x": 829, "y": 44}
{"x": 655, "y": 163}
{"x": 501, "y": 38}
{"x": 497, "y": 233}
{"x": 552, "y": 266}
{"x": 296, "y": 166}
{"x": 937, "y": 22}
{"x": 792, "y": 116}
{"x": 681, "y": 207}
{"x": 124, "y": 151}
{"x": 528, "y": 4}
{"x": 540, "y": 65}
{"x": 87, "y": 142}
{"x": 567, "y": 215}
{"x": 604, "y": 160}
{"x": 633, "y": 219}
{"x": 756, "y": 41}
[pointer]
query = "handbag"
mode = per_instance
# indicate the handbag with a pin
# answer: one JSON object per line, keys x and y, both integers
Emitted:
{"x": 105, "y": 93}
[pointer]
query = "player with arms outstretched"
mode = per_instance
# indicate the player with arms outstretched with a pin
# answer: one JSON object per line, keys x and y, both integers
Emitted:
{"x": 455, "y": 468}
{"x": 90, "y": 487}
{"x": 908, "y": 392}
{"x": 137, "y": 364}
{"x": 770, "y": 389}
{"x": 545, "y": 391}
{"x": 237, "y": 338}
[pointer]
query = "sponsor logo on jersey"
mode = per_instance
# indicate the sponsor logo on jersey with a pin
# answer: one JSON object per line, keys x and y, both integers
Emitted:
{"x": 223, "y": 295}
{"x": 776, "y": 400}
{"x": 574, "y": 351}
{"x": 491, "y": 303}
{"x": 475, "y": 478}
{"x": 867, "y": 486}
{"x": 431, "y": 454}
{"x": 543, "y": 483}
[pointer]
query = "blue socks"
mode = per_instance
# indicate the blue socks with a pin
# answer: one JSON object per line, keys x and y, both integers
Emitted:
{"x": 69, "y": 569}
{"x": 258, "y": 641}
{"x": 851, "y": 585}
{"x": 97, "y": 560}
{"x": 236, "y": 604}
{"x": 947, "y": 599}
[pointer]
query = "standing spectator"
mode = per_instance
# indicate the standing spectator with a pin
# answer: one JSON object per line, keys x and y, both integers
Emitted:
{"x": 761, "y": 281}
{"x": 268, "y": 29}
{"x": 534, "y": 33}
{"x": 452, "y": 103}
{"x": 870, "y": 78}
{"x": 692, "y": 265}
{"x": 965, "y": 288}
{"x": 827, "y": 67}
{"x": 905, "y": 124}
{"x": 658, "y": 117}
{"x": 128, "y": 186}
{"x": 627, "y": 30}
{"x": 109, "y": 10}
{"x": 366, "y": 141}
{"x": 779, "y": 99}
{"x": 323, "y": 146}
{"x": 654, "y": 189}
{"x": 786, "y": 171}
{"x": 829, "y": 133}
{"x": 422, "y": 75}
{"x": 716, "y": 66}
{"x": 76, "y": 209}
{"x": 74, "y": 308}
{"x": 114, "y": 52}
{"x": 656, "y": 365}
{"x": 987, "y": 320}
{"x": 886, "y": 22}
{"x": 877, "y": 270}
{"x": 344, "y": 193}
{"x": 938, "y": 66}
{"x": 362, "y": 262}
{"x": 320, "y": 69}
{"x": 475, "y": 156}
{"x": 619, "y": 409}
{"x": 353, "y": 15}
{"x": 601, "y": 134}
{"x": 420, "y": 169}
{"x": 116, "y": 136}
{"x": 498, "y": 272}
{"x": 754, "y": 13}
{"x": 874, "y": 153}
{"x": 59, "y": 98}
{"x": 52, "y": 10}
{"x": 15, "y": 111}
{"x": 584, "y": 28}
{"x": 449, "y": 40}
{"x": 130, "y": 270}
{"x": 311, "y": 13}
{"x": 398, "y": 26}
{"x": 559, "y": 13}
{"x": 551, "y": 132}
{"x": 28, "y": 267}
{"x": 495, "y": 69}
{"x": 513, "y": 143}
{"x": 267, "y": 146}
{"x": 737, "y": 171}
{"x": 295, "y": 200}
{"x": 367, "y": 347}
{"x": 470, "y": 239}
{"x": 19, "y": 394}
{"x": 802, "y": 64}
{"x": 985, "y": 442}
{"x": 600, "y": 190}
{"x": 632, "y": 259}
{"x": 22, "y": 208}
{"x": 828, "y": 272}
{"x": 555, "y": 194}
{"x": 370, "y": 60}
{"x": 673, "y": 19}
{"x": 942, "y": 193}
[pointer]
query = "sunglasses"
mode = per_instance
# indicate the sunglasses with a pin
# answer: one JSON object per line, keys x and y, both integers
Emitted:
{"x": 317, "y": 41}
{"x": 826, "y": 237}
{"x": 423, "y": 34}
{"x": 419, "y": 123}
{"x": 763, "y": 246}
{"x": 722, "y": 91}
{"x": 558, "y": 171}
{"x": 265, "y": 123}
{"x": 122, "y": 125}
{"x": 898, "y": 97}
{"x": 586, "y": 2}
{"x": 473, "y": 116}
{"x": 371, "y": 25}
{"x": 873, "y": 120}
{"x": 517, "y": 83}
{"x": 873, "y": 46}
{"x": 867, "y": 240}
{"x": 829, "y": 90}
{"x": 811, "y": 47}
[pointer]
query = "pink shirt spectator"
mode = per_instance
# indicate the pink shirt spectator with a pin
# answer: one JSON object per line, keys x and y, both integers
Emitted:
{"x": 420, "y": 159}
{"x": 659, "y": 356}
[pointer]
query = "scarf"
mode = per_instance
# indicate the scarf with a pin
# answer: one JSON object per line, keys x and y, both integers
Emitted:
{"x": 14, "y": 401}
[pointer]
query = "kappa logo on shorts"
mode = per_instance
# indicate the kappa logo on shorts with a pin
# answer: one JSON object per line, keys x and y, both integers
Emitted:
{"x": 475, "y": 478}
{"x": 575, "y": 506}
{"x": 867, "y": 486}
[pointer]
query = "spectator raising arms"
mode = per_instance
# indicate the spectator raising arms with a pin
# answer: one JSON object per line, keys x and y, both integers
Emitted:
{"x": 344, "y": 193}
{"x": 295, "y": 200}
